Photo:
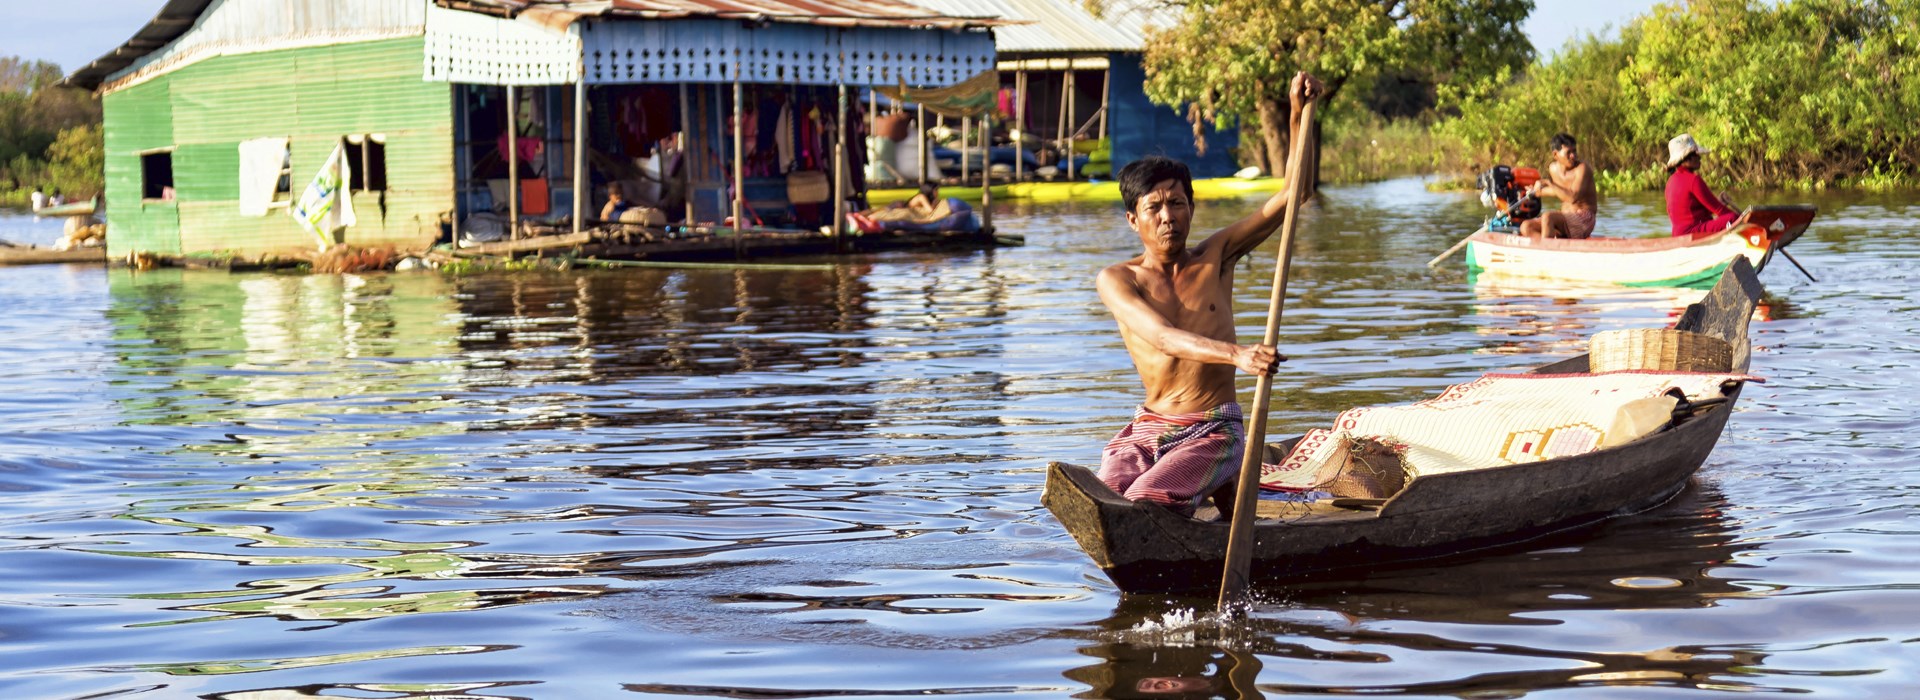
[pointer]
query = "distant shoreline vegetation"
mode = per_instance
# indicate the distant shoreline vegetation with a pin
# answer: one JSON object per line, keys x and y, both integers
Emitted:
{"x": 49, "y": 136}
{"x": 1796, "y": 95}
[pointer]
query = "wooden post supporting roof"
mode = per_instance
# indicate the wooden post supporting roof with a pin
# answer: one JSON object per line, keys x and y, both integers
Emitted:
{"x": 920, "y": 128}
{"x": 580, "y": 184}
{"x": 840, "y": 134}
{"x": 686, "y": 155}
{"x": 986, "y": 180}
{"x": 1073, "y": 121}
{"x": 1018, "y": 132}
{"x": 513, "y": 166}
{"x": 1106, "y": 97}
{"x": 739, "y": 159}
{"x": 966, "y": 124}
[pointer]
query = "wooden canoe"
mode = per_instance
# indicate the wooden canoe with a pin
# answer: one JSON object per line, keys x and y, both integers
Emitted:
{"x": 33, "y": 255}
{"x": 1145, "y": 548}
{"x": 1678, "y": 261}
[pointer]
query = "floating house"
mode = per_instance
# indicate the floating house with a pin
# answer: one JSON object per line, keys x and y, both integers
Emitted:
{"x": 1070, "y": 74}
{"x": 400, "y": 122}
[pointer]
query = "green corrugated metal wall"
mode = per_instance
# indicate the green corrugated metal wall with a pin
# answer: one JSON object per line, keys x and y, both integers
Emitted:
{"x": 314, "y": 96}
{"x": 138, "y": 118}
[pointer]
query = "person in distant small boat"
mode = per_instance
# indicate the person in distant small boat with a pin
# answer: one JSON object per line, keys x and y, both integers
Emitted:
{"x": 1174, "y": 305}
{"x": 1569, "y": 180}
{"x": 39, "y": 199}
{"x": 1691, "y": 205}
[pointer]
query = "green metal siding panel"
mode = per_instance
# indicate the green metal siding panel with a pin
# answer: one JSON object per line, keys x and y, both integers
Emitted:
{"x": 314, "y": 96}
{"x": 139, "y": 118}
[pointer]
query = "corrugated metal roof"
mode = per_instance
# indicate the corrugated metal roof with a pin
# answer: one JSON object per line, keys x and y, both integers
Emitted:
{"x": 847, "y": 13}
{"x": 175, "y": 18}
{"x": 1058, "y": 26}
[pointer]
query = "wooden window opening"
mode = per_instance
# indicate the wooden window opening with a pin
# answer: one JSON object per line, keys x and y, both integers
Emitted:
{"x": 156, "y": 175}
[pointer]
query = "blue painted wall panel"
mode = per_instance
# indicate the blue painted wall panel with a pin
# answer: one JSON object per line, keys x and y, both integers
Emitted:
{"x": 1140, "y": 128}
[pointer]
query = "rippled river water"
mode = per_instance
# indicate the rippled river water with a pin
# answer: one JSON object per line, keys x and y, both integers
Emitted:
{"x": 823, "y": 479}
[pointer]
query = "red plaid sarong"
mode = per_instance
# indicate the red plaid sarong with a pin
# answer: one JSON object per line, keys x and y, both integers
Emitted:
{"x": 1175, "y": 461}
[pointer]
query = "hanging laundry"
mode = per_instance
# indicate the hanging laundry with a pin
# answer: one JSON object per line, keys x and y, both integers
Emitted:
{"x": 783, "y": 137}
{"x": 325, "y": 206}
{"x": 260, "y": 163}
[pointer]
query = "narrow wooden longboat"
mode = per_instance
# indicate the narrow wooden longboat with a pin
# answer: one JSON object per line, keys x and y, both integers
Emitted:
{"x": 34, "y": 255}
{"x": 1145, "y": 548}
{"x": 1679, "y": 261}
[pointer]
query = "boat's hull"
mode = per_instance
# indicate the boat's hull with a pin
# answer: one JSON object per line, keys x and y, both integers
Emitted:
{"x": 1146, "y": 549}
{"x": 1634, "y": 262}
{"x": 39, "y": 256}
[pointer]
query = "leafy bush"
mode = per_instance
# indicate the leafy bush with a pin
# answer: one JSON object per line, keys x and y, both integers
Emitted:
{"x": 1800, "y": 93}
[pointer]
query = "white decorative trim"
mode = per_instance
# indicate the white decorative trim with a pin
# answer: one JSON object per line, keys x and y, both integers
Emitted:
{"x": 467, "y": 47}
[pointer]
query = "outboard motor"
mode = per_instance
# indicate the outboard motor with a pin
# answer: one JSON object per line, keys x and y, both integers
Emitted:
{"x": 1504, "y": 189}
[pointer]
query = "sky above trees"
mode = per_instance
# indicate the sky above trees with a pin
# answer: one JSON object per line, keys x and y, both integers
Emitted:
{"x": 73, "y": 34}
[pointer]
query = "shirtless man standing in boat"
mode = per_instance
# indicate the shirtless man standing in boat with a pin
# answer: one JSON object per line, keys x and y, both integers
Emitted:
{"x": 1570, "y": 180}
{"x": 1175, "y": 309}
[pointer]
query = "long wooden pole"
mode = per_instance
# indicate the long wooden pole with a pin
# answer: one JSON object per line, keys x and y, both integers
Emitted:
{"x": 840, "y": 134}
{"x": 1072, "y": 119}
{"x": 1106, "y": 94}
{"x": 686, "y": 156}
{"x": 986, "y": 179}
{"x": 920, "y": 127}
{"x": 1018, "y": 132}
{"x": 580, "y": 184}
{"x": 739, "y": 159}
{"x": 513, "y": 167}
{"x": 1233, "y": 581}
{"x": 966, "y": 125}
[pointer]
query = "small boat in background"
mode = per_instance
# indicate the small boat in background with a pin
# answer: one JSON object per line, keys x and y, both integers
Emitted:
{"x": 1679, "y": 261}
{"x": 85, "y": 208}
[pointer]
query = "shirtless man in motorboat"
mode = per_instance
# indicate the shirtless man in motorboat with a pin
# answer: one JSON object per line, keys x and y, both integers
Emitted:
{"x": 1570, "y": 180}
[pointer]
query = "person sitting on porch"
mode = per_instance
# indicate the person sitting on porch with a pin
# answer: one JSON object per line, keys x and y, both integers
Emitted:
{"x": 616, "y": 202}
{"x": 620, "y": 209}
{"x": 926, "y": 200}
{"x": 1691, "y": 205}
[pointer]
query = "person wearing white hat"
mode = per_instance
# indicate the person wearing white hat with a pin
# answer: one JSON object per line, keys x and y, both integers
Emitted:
{"x": 1691, "y": 205}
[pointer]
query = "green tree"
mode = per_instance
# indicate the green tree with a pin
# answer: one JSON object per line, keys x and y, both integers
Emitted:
{"x": 1232, "y": 59}
{"x": 1798, "y": 92}
{"x": 49, "y": 135}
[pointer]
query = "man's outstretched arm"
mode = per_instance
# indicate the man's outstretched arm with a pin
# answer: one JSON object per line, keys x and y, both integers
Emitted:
{"x": 1132, "y": 311}
{"x": 1241, "y": 237}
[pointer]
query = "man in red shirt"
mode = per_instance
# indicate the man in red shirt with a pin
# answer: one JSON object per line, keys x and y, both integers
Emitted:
{"x": 1690, "y": 203}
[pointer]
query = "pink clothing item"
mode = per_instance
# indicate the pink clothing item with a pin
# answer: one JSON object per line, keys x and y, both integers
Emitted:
{"x": 1692, "y": 207}
{"x": 1175, "y": 461}
{"x": 1579, "y": 223}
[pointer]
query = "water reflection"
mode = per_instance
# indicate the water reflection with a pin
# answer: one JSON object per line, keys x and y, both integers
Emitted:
{"x": 1684, "y": 555}
{"x": 730, "y": 482}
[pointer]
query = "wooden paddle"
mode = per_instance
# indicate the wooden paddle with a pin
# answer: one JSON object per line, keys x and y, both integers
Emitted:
{"x": 1233, "y": 582}
{"x": 1450, "y": 251}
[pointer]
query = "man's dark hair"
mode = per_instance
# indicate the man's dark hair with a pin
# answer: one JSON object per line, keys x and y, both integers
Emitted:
{"x": 929, "y": 189}
{"x": 1141, "y": 175}
{"x": 1559, "y": 140}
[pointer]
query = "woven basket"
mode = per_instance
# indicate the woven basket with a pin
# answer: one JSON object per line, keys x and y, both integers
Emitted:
{"x": 1658, "y": 349}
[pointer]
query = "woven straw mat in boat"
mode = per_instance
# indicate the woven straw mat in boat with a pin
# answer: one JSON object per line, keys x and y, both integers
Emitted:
{"x": 1496, "y": 420}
